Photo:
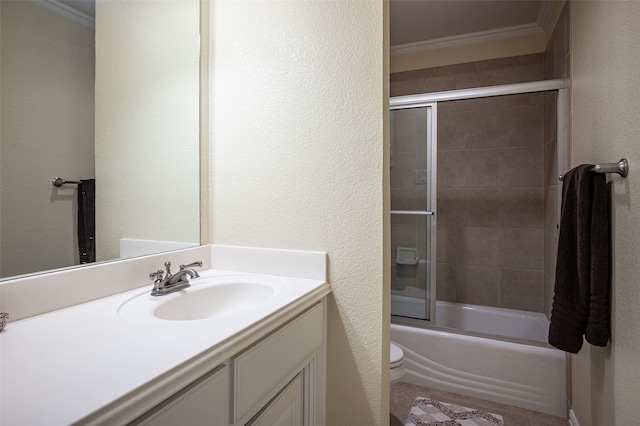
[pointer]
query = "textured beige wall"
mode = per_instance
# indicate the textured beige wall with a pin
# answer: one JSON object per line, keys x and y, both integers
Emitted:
{"x": 298, "y": 161}
{"x": 47, "y": 131}
{"x": 147, "y": 122}
{"x": 606, "y": 107}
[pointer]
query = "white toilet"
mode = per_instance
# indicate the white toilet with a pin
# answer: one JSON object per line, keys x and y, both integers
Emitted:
{"x": 397, "y": 363}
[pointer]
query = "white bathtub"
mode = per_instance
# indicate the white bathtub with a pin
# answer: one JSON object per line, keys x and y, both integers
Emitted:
{"x": 529, "y": 376}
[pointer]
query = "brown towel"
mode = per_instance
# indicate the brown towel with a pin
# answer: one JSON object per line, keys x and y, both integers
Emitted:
{"x": 87, "y": 220}
{"x": 581, "y": 299}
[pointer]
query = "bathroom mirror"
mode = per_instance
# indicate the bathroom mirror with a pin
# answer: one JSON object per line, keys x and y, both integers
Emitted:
{"x": 106, "y": 90}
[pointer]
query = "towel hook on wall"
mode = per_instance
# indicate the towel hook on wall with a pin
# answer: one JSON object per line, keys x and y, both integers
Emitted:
{"x": 621, "y": 168}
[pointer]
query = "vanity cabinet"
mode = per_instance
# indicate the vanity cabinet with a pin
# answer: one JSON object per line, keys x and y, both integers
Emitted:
{"x": 278, "y": 380}
{"x": 286, "y": 409}
{"x": 262, "y": 370}
{"x": 206, "y": 401}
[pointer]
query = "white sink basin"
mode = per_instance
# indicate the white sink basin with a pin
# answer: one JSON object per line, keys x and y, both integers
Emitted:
{"x": 208, "y": 298}
{"x": 208, "y": 302}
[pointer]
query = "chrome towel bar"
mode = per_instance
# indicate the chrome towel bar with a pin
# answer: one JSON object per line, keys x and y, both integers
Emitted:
{"x": 621, "y": 168}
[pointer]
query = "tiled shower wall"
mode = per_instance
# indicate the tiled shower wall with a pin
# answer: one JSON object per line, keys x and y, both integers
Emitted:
{"x": 490, "y": 232}
{"x": 491, "y": 186}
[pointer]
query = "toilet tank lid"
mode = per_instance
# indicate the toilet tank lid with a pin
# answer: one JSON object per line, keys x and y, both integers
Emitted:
{"x": 396, "y": 354}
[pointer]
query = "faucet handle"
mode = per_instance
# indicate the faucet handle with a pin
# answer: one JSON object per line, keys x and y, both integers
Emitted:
{"x": 156, "y": 276}
{"x": 167, "y": 265}
{"x": 191, "y": 265}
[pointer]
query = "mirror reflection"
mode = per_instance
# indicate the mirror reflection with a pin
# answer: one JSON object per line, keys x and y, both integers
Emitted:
{"x": 103, "y": 93}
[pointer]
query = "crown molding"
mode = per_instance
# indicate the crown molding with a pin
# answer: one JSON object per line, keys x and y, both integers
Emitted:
{"x": 67, "y": 12}
{"x": 545, "y": 13}
{"x": 573, "y": 420}
{"x": 463, "y": 39}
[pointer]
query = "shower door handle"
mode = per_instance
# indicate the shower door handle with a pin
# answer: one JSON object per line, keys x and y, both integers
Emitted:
{"x": 413, "y": 212}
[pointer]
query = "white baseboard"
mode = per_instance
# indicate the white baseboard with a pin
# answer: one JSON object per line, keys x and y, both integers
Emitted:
{"x": 573, "y": 420}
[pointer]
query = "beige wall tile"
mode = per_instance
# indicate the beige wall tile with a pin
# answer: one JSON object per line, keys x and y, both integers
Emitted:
{"x": 421, "y": 283}
{"x": 447, "y": 169}
{"x": 453, "y": 69}
{"x": 477, "y": 168}
{"x": 521, "y": 207}
{"x": 404, "y": 199}
{"x": 420, "y": 115}
{"x": 405, "y": 135}
{"x": 403, "y": 171}
{"x": 403, "y": 219}
{"x": 446, "y": 282}
{"x": 404, "y": 276}
{"x": 499, "y": 63}
{"x": 521, "y": 248}
{"x": 448, "y": 106}
{"x": 478, "y": 285}
{"x": 420, "y": 194}
{"x": 549, "y": 65}
{"x": 478, "y": 103}
{"x": 534, "y": 58}
{"x": 402, "y": 236}
{"x": 477, "y": 78}
{"x": 477, "y": 246}
{"x": 521, "y": 100}
{"x": 447, "y": 130}
{"x": 477, "y": 207}
{"x": 521, "y": 74}
{"x": 421, "y": 157}
{"x": 446, "y": 200}
{"x": 521, "y": 126}
{"x": 550, "y": 210}
{"x": 446, "y": 244}
{"x": 522, "y": 167}
{"x": 522, "y": 289}
{"x": 550, "y": 163}
{"x": 477, "y": 129}
{"x": 421, "y": 237}
{"x": 404, "y": 87}
{"x": 436, "y": 84}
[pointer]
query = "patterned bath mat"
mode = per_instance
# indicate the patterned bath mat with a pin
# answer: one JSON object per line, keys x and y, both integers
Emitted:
{"x": 429, "y": 412}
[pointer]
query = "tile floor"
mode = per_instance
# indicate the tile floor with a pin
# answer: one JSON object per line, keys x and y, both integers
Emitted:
{"x": 403, "y": 394}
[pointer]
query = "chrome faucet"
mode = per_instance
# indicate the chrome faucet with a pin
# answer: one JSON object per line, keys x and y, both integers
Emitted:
{"x": 173, "y": 282}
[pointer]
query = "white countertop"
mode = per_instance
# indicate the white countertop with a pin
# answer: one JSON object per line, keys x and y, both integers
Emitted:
{"x": 88, "y": 364}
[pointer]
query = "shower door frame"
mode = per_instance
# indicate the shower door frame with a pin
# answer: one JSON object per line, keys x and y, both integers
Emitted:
{"x": 431, "y": 206}
{"x": 431, "y": 100}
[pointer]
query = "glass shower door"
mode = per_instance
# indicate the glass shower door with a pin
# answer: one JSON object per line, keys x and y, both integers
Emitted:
{"x": 413, "y": 204}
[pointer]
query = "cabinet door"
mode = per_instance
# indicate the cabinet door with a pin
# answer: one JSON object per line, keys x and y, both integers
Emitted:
{"x": 263, "y": 369}
{"x": 285, "y": 409}
{"x": 204, "y": 402}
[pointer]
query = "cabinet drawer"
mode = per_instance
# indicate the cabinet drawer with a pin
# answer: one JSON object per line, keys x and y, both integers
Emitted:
{"x": 258, "y": 371}
{"x": 204, "y": 402}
